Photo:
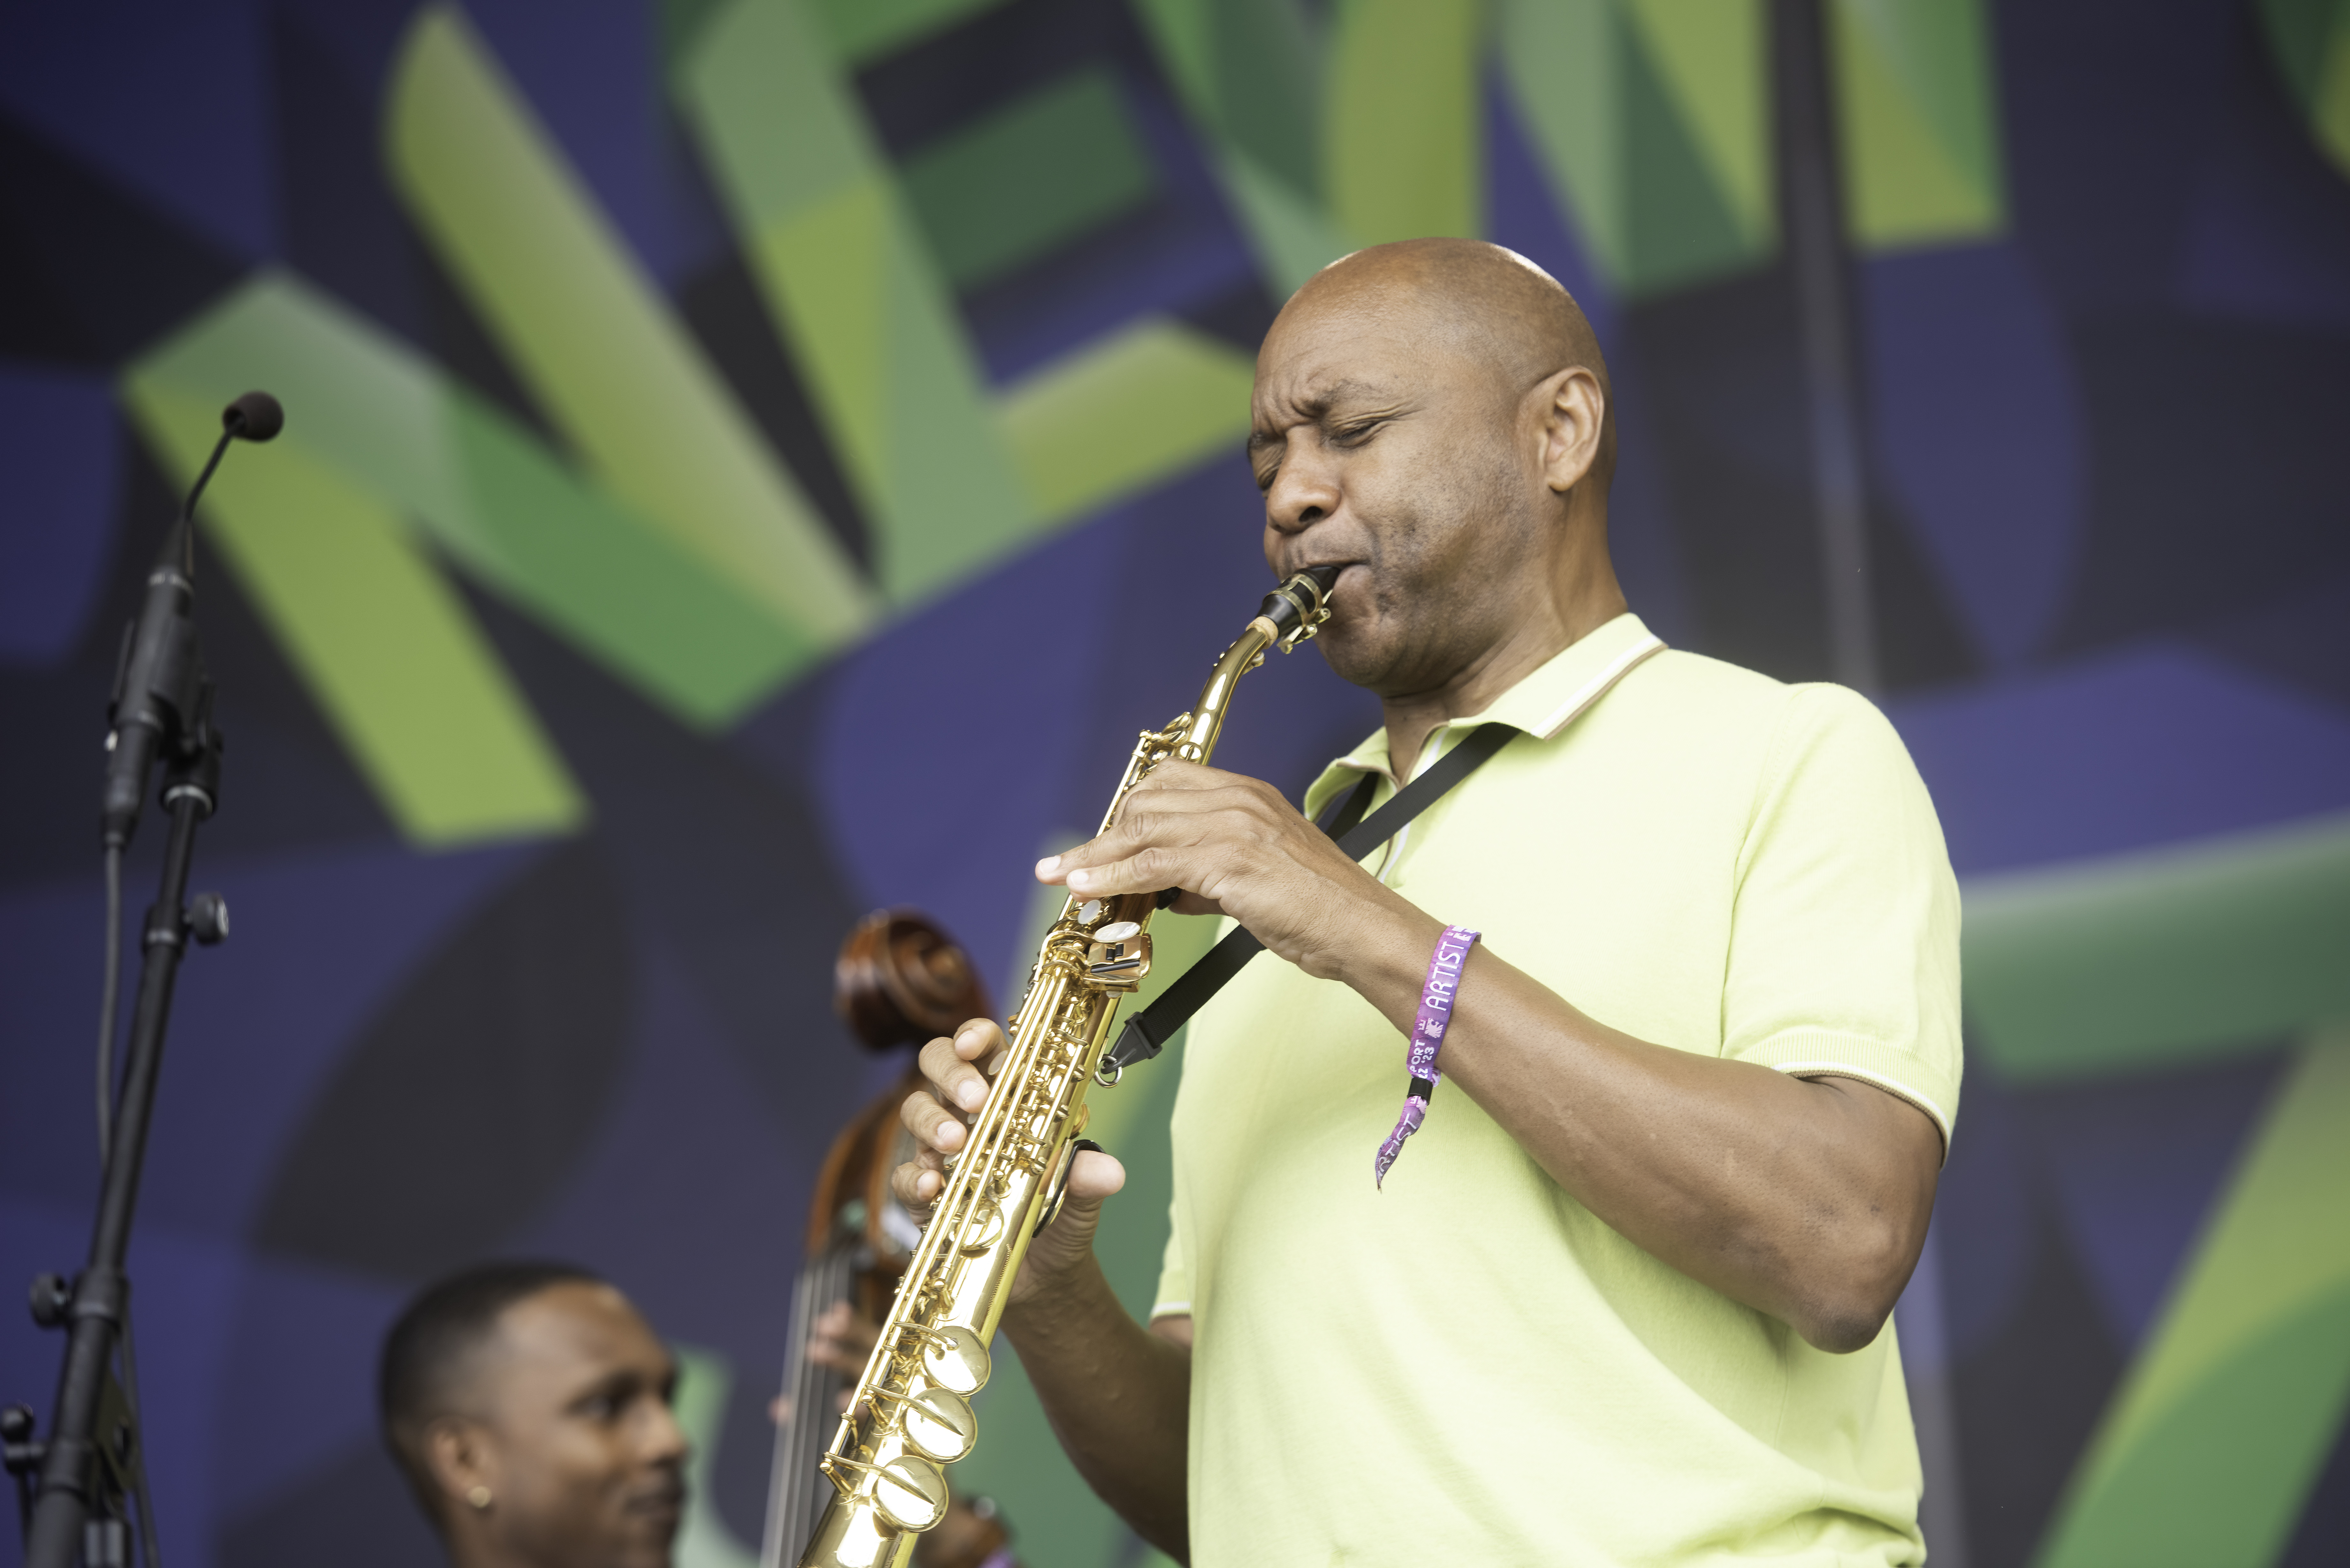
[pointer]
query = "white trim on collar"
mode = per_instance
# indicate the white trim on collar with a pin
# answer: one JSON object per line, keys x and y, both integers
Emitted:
{"x": 1596, "y": 688}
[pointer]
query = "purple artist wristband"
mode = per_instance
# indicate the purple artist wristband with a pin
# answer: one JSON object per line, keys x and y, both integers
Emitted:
{"x": 1436, "y": 994}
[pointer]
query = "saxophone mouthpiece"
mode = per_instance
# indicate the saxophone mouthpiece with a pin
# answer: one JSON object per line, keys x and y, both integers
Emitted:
{"x": 1298, "y": 607}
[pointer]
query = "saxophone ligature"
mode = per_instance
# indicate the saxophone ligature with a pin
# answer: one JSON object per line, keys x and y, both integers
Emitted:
{"x": 910, "y": 1415}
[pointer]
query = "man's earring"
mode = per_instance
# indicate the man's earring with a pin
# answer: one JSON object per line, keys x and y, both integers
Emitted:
{"x": 479, "y": 1497}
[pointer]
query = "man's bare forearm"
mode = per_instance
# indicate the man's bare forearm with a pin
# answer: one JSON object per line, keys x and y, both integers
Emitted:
{"x": 1119, "y": 1398}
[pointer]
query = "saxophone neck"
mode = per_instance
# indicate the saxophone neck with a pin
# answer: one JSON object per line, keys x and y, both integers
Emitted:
{"x": 1290, "y": 615}
{"x": 1245, "y": 654}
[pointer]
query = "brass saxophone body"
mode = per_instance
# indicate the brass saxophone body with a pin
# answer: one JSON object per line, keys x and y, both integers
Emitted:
{"x": 910, "y": 1414}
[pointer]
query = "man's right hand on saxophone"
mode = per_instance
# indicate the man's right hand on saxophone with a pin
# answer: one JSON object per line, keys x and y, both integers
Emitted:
{"x": 956, "y": 1069}
{"x": 1685, "y": 952}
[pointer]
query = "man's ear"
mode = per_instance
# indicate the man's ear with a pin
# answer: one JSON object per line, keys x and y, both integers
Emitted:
{"x": 1573, "y": 413}
{"x": 461, "y": 1456}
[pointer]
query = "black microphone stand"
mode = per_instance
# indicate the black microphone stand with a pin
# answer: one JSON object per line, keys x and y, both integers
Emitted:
{"x": 73, "y": 1486}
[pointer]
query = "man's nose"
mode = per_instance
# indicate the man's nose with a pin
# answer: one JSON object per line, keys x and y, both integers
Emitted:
{"x": 1305, "y": 490}
{"x": 665, "y": 1440}
{"x": 1305, "y": 485}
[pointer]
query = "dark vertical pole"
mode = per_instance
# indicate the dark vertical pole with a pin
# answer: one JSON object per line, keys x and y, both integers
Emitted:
{"x": 1812, "y": 220}
{"x": 72, "y": 1479}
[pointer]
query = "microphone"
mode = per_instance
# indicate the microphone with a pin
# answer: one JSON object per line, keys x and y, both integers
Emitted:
{"x": 256, "y": 417}
{"x": 159, "y": 678}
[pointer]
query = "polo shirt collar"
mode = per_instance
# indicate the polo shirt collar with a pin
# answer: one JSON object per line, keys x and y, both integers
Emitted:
{"x": 1541, "y": 704}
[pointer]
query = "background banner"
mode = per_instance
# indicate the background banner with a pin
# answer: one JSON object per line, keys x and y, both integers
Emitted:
{"x": 748, "y": 462}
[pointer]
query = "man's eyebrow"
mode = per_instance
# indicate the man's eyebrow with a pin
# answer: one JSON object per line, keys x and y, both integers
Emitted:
{"x": 618, "y": 1383}
{"x": 1316, "y": 406}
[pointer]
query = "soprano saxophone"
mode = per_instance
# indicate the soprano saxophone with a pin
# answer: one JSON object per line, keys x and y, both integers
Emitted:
{"x": 910, "y": 1415}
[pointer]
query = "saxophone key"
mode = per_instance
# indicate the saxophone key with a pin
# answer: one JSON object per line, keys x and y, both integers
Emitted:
{"x": 908, "y": 1490}
{"x": 1119, "y": 964}
{"x": 982, "y": 1229}
{"x": 939, "y": 1423}
{"x": 953, "y": 1357}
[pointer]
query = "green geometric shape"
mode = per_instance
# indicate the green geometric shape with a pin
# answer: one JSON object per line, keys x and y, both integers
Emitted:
{"x": 1402, "y": 144}
{"x": 680, "y": 21}
{"x": 1011, "y": 187}
{"x": 2177, "y": 955}
{"x": 386, "y": 647}
{"x": 1182, "y": 33}
{"x": 2310, "y": 40}
{"x": 851, "y": 288}
{"x": 1918, "y": 124}
{"x": 1250, "y": 73}
{"x": 1710, "y": 58}
{"x": 2300, "y": 33}
{"x": 2206, "y": 1454}
{"x": 450, "y": 464}
{"x": 2330, "y": 107}
{"x": 1322, "y": 149}
{"x": 591, "y": 334}
{"x": 1292, "y": 236}
{"x": 1650, "y": 122}
{"x": 864, "y": 30}
{"x": 1126, "y": 411}
{"x": 1561, "y": 63}
{"x": 1680, "y": 228}
{"x": 705, "y": 1380}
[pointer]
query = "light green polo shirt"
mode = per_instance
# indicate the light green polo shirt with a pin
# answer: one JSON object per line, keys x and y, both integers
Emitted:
{"x": 1468, "y": 1367}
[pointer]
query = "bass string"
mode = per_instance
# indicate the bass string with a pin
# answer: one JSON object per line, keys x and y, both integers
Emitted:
{"x": 824, "y": 1280}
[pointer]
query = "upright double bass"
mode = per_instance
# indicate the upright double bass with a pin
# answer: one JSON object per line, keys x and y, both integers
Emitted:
{"x": 899, "y": 980}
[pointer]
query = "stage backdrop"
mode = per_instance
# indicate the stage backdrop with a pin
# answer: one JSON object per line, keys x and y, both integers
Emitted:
{"x": 748, "y": 462}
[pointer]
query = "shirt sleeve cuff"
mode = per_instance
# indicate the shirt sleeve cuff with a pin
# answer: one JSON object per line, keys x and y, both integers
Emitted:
{"x": 1174, "y": 1297}
{"x": 1819, "y": 1054}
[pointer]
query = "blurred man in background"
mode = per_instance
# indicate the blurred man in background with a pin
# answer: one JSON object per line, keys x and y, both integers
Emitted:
{"x": 528, "y": 1406}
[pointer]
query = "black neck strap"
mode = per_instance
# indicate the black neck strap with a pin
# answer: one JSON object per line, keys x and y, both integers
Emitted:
{"x": 1148, "y": 1032}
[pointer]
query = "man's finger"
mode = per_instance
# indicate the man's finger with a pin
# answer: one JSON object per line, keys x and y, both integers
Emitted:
{"x": 1133, "y": 831}
{"x": 1093, "y": 1176}
{"x": 956, "y": 1081}
{"x": 1144, "y": 872}
{"x": 978, "y": 1037}
{"x": 1172, "y": 775}
{"x": 916, "y": 1185}
{"x": 935, "y": 1129}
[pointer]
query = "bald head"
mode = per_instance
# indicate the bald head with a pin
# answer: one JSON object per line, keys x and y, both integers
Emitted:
{"x": 1433, "y": 418}
{"x": 1489, "y": 305}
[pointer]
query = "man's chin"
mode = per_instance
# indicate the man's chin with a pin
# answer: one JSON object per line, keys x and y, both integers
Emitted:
{"x": 650, "y": 1532}
{"x": 1354, "y": 655}
{"x": 1362, "y": 655}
